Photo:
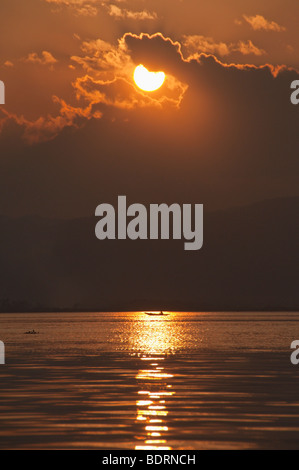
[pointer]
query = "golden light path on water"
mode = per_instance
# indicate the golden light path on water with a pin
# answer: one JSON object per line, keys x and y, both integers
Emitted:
{"x": 155, "y": 338}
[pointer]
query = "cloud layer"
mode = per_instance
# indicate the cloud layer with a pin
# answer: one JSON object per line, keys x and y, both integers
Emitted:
{"x": 217, "y": 133}
{"x": 106, "y": 79}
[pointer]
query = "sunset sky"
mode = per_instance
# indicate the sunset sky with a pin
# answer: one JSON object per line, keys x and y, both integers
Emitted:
{"x": 76, "y": 130}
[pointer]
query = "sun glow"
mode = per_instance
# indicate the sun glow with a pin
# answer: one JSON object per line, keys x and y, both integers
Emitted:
{"x": 148, "y": 81}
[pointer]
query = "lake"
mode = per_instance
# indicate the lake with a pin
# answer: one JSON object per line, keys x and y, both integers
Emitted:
{"x": 131, "y": 381}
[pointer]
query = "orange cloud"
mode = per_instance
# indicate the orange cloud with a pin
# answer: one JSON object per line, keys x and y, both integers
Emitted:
{"x": 258, "y": 22}
{"x": 91, "y": 8}
{"x": 196, "y": 45}
{"x": 248, "y": 47}
{"x": 80, "y": 7}
{"x": 45, "y": 59}
{"x": 46, "y": 128}
{"x": 120, "y": 13}
{"x": 109, "y": 65}
{"x": 101, "y": 55}
{"x": 106, "y": 84}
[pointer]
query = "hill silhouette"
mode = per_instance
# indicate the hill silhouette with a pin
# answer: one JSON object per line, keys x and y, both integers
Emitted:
{"x": 249, "y": 261}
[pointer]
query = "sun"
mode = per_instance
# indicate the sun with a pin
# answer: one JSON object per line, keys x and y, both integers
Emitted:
{"x": 148, "y": 81}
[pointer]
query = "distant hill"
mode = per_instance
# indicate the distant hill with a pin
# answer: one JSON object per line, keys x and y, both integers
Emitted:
{"x": 249, "y": 261}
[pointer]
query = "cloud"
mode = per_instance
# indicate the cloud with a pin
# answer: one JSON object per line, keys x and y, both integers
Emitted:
{"x": 109, "y": 80}
{"x": 258, "y": 22}
{"x": 238, "y": 22}
{"x": 92, "y": 7}
{"x": 46, "y": 128}
{"x": 105, "y": 85}
{"x": 80, "y": 7}
{"x": 247, "y": 48}
{"x": 290, "y": 49}
{"x": 205, "y": 44}
{"x": 46, "y": 58}
{"x": 87, "y": 10}
{"x": 100, "y": 55}
{"x": 121, "y": 13}
{"x": 196, "y": 45}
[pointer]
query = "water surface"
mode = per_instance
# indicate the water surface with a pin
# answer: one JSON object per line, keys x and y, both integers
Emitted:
{"x": 131, "y": 381}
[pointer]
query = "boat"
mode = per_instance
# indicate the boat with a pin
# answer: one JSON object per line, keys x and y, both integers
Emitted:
{"x": 31, "y": 332}
{"x": 156, "y": 314}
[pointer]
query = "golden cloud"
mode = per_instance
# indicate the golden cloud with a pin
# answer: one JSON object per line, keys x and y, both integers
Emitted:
{"x": 121, "y": 13}
{"x": 248, "y": 47}
{"x": 80, "y": 7}
{"x": 111, "y": 67}
{"x": 46, "y": 128}
{"x": 91, "y": 8}
{"x": 106, "y": 84}
{"x": 196, "y": 45}
{"x": 46, "y": 58}
{"x": 258, "y": 22}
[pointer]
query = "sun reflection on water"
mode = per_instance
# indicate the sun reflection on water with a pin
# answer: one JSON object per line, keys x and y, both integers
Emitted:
{"x": 155, "y": 339}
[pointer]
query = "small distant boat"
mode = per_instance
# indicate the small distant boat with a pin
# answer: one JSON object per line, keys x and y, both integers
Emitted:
{"x": 31, "y": 332}
{"x": 157, "y": 314}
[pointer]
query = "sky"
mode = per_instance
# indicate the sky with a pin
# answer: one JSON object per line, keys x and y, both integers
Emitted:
{"x": 75, "y": 131}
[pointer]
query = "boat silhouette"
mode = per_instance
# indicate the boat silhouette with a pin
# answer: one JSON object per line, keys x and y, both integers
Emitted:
{"x": 156, "y": 314}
